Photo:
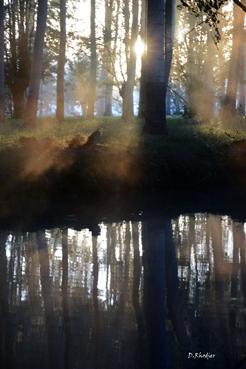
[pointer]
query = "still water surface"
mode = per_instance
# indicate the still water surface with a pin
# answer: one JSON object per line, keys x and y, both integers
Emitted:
{"x": 132, "y": 295}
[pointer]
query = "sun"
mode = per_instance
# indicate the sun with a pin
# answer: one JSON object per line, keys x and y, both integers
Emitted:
{"x": 139, "y": 47}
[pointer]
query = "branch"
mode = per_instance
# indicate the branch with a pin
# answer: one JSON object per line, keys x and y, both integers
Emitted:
{"x": 242, "y": 6}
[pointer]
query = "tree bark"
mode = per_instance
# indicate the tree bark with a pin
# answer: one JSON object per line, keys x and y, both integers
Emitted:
{"x": 169, "y": 34}
{"x": 37, "y": 63}
{"x": 229, "y": 106}
{"x": 143, "y": 21}
{"x": 242, "y": 79}
{"x": 93, "y": 63}
{"x": 2, "y": 84}
{"x": 154, "y": 71}
{"x": 107, "y": 56}
{"x": 128, "y": 109}
{"x": 19, "y": 32}
{"x": 61, "y": 64}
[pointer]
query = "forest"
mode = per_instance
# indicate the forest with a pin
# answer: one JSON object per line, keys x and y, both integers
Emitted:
{"x": 122, "y": 184}
{"x": 82, "y": 82}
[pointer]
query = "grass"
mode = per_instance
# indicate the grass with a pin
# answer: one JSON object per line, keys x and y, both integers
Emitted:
{"x": 117, "y": 133}
{"x": 191, "y": 155}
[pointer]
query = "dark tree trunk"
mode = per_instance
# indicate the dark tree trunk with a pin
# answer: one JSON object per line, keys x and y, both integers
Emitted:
{"x": 2, "y": 84}
{"x": 153, "y": 237}
{"x": 93, "y": 62}
{"x": 46, "y": 288}
{"x": 65, "y": 304}
{"x": 18, "y": 94}
{"x": 37, "y": 64}
{"x": 19, "y": 32}
{"x": 61, "y": 64}
{"x": 154, "y": 70}
{"x": 169, "y": 34}
{"x": 107, "y": 57}
{"x": 128, "y": 112}
{"x": 5, "y": 344}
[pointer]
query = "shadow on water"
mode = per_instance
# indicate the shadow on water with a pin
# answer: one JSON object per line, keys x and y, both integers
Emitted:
{"x": 154, "y": 294}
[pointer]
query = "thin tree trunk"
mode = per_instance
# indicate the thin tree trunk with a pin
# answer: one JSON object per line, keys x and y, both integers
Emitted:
{"x": 61, "y": 64}
{"x": 107, "y": 56}
{"x": 242, "y": 79}
{"x": 65, "y": 304}
{"x": 154, "y": 70}
{"x": 128, "y": 110}
{"x": 93, "y": 62}
{"x": 2, "y": 94}
{"x": 143, "y": 35}
{"x": 37, "y": 64}
{"x": 4, "y": 308}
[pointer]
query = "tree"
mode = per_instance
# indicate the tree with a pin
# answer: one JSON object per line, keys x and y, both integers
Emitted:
{"x": 2, "y": 85}
{"x": 242, "y": 73}
{"x": 169, "y": 33}
{"x": 19, "y": 19}
{"x": 107, "y": 57}
{"x": 229, "y": 106}
{"x": 154, "y": 70}
{"x": 93, "y": 61}
{"x": 61, "y": 64}
{"x": 130, "y": 41}
{"x": 37, "y": 63}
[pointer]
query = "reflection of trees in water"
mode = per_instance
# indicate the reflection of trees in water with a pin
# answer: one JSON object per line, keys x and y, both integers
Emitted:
{"x": 5, "y": 330}
{"x": 100, "y": 304}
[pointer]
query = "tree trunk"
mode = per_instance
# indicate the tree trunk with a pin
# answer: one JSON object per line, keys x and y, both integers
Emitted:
{"x": 229, "y": 106}
{"x": 61, "y": 64}
{"x": 107, "y": 57}
{"x": 143, "y": 35}
{"x": 169, "y": 34}
{"x": 2, "y": 84}
{"x": 242, "y": 79}
{"x": 154, "y": 71}
{"x": 37, "y": 63}
{"x": 154, "y": 290}
{"x": 128, "y": 110}
{"x": 18, "y": 95}
{"x": 93, "y": 62}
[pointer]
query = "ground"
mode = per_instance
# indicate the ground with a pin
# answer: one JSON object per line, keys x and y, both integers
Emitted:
{"x": 55, "y": 158}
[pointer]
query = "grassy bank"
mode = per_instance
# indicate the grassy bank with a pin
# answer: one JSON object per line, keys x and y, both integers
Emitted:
{"x": 52, "y": 158}
{"x": 116, "y": 131}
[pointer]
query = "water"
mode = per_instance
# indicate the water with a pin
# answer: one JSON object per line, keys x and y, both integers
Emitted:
{"x": 132, "y": 295}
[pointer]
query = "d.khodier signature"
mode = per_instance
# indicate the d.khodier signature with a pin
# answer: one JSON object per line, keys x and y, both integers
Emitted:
{"x": 201, "y": 355}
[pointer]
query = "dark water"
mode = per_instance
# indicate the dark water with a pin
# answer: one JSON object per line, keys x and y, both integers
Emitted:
{"x": 132, "y": 295}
